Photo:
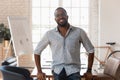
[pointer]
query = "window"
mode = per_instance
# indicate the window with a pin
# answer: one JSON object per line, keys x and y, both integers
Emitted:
{"x": 43, "y": 18}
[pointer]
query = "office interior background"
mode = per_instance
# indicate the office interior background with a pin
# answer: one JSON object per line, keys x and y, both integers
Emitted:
{"x": 99, "y": 18}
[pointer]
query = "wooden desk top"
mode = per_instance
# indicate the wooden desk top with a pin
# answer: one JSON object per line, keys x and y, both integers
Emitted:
{"x": 48, "y": 71}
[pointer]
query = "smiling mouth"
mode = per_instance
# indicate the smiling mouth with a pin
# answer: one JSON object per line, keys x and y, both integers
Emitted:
{"x": 62, "y": 20}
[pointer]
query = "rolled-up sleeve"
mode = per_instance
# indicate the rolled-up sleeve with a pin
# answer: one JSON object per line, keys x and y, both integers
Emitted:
{"x": 42, "y": 44}
{"x": 86, "y": 42}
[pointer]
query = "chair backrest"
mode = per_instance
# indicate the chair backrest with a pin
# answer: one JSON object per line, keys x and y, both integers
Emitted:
{"x": 11, "y": 61}
{"x": 112, "y": 67}
{"x": 15, "y": 73}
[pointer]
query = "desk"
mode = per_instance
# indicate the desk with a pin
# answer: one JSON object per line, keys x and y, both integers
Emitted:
{"x": 49, "y": 76}
{"x": 48, "y": 73}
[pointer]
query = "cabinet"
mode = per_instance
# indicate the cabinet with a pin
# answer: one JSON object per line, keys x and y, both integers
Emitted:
{"x": 3, "y": 52}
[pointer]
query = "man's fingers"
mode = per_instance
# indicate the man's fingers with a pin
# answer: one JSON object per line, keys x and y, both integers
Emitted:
{"x": 41, "y": 76}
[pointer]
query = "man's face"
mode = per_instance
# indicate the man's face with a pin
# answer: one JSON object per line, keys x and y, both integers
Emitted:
{"x": 61, "y": 17}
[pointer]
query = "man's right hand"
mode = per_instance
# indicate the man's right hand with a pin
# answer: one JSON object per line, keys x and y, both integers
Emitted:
{"x": 41, "y": 76}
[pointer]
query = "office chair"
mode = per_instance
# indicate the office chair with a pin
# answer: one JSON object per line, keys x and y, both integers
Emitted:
{"x": 111, "y": 70}
{"x": 15, "y": 73}
{"x": 11, "y": 61}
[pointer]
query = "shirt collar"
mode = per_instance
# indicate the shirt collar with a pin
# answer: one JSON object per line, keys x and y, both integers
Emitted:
{"x": 71, "y": 27}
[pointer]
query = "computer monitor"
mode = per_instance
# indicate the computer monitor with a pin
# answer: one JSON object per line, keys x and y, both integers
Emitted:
{"x": 21, "y": 35}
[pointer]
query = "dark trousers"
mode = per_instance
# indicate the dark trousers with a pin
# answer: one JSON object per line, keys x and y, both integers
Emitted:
{"x": 63, "y": 76}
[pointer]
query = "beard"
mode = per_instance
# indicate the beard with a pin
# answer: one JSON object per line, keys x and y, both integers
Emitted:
{"x": 62, "y": 24}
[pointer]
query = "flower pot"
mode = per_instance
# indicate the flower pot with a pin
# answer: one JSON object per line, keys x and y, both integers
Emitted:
{"x": 6, "y": 43}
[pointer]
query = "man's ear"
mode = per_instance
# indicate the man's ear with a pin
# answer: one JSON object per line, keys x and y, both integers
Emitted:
{"x": 67, "y": 16}
{"x": 55, "y": 19}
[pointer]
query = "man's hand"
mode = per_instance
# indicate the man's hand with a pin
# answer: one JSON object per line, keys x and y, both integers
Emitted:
{"x": 88, "y": 76}
{"x": 41, "y": 76}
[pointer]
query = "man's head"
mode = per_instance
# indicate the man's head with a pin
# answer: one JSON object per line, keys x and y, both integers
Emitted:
{"x": 61, "y": 17}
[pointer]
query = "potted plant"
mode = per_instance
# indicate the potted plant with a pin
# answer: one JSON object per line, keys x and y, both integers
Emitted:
{"x": 4, "y": 33}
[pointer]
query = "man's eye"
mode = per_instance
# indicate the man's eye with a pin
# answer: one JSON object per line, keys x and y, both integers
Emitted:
{"x": 60, "y": 15}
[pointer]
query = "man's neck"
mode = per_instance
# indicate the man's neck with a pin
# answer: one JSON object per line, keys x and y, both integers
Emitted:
{"x": 63, "y": 30}
{"x": 66, "y": 27}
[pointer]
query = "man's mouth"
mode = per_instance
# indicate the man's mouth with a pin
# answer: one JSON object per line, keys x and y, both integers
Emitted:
{"x": 61, "y": 21}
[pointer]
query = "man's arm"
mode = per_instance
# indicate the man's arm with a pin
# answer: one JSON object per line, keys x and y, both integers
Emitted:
{"x": 90, "y": 62}
{"x": 88, "y": 74}
{"x": 38, "y": 62}
{"x": 40, "y": 74}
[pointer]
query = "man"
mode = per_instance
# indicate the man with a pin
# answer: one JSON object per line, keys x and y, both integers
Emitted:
{"x": 65, "y": 41}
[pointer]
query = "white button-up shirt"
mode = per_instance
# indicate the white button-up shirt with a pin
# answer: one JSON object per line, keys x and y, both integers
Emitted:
{"x": 65, "y": 50}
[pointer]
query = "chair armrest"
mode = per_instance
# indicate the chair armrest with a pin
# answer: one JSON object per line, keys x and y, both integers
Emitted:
{"x": 102, "y": 76}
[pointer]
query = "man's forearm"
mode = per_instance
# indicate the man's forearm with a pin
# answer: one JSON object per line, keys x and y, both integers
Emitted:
{"x": 38, "y": 62}
{"x": 90, "y": 61}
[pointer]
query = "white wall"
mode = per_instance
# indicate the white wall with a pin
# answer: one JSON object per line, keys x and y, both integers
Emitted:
{"x": 110, "y": 22}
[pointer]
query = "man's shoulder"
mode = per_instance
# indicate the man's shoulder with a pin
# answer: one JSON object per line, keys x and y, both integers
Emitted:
{"x": 77, "y": 28}
{"x": 51, "y": 31}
